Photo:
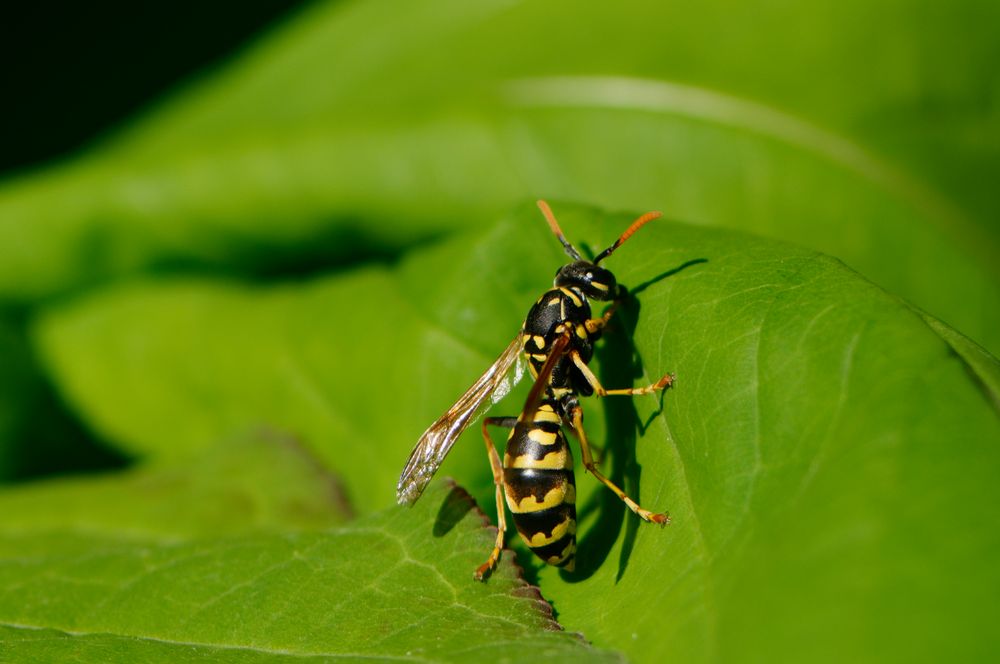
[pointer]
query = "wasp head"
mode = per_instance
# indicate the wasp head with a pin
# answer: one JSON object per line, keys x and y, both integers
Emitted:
{"x": 594, "y": 281}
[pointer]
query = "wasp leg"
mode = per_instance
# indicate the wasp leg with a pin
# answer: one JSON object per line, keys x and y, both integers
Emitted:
{"x": 576, "y": 418}
{"x": 597, "y": 324}
{"x": 486, "y": 568}
{"x": 599, "y": 389}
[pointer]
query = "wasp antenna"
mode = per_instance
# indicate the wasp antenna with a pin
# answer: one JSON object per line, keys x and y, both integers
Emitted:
{"x": 636, "y": 225}
{"x": 554, "y": 225}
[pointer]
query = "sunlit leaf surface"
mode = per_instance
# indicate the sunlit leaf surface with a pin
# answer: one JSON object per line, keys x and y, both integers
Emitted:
{"x": 826, "y": 453}
{"x": 264, "y": 481}
{"x": 397, "y": 585}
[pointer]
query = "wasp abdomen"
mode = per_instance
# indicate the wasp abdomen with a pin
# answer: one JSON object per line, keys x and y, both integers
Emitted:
{"x": 540, "y": 487}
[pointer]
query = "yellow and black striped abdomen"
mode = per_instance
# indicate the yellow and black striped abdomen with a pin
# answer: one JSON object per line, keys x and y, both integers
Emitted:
{"x": 540, "y": 488}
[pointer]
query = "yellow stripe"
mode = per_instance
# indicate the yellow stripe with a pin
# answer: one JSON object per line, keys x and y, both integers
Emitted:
{"x": 543, "y": 415}
{"x": 539, "y": 341}
{"x": 539, "y": 539}
{"x": 570, "y": 497}
{"x": 571, "y": 295}
{"x": 567, "y": 552}
{"x": 558, "y": 460}
{"x": 553, "y": 498}
{"x": 542, "y": 437}
{"x": 581, "y": 331}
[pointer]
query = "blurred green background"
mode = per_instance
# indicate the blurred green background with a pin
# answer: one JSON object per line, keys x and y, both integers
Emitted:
{"x": 217, "y": 219}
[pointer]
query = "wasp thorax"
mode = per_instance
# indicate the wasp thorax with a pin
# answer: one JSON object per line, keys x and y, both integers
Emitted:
{"x": 594, "y": 281}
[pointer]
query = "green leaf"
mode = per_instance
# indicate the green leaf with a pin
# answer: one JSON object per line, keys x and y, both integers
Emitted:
{"x": 829, "y": 461}
{"x": 981, "y": 364}
{"x": 17, "y": 382}
{"x": 37, "y": 435}
{"x": 384, "y": 587}
{"x": 819, "y": 125}
{"x": 263, "y": 482}
{"x": 333, "y": 361}
{"x": 828, "y": 457}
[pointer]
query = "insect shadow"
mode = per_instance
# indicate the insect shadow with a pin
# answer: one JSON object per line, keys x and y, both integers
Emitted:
{"x": 621, "y": 365}
{"x": 453, "y": 509}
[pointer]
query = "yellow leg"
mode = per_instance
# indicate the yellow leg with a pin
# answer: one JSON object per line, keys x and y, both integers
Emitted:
{"x": 484, "y": 570}
{"x": 588, "y": 463}
{"x": 595, "y": 324}
{"x": 599, "y": 390}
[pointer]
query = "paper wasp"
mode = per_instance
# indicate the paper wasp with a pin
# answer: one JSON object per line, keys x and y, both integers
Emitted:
{"x": 536, "y": 474}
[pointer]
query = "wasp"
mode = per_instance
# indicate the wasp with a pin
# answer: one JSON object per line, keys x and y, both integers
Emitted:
{"x": 535, "y": 476}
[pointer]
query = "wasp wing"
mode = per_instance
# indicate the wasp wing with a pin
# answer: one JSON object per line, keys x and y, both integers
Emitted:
{"x": 436, "y": 442}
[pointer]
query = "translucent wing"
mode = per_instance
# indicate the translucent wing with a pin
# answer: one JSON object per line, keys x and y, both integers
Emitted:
{"x": 436, "y": 442}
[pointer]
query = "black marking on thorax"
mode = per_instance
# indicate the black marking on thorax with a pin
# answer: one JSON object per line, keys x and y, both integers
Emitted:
{"x": 560, "y": 310}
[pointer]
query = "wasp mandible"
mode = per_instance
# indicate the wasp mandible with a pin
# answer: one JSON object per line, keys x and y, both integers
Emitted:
{"x": 536, "y": 474}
